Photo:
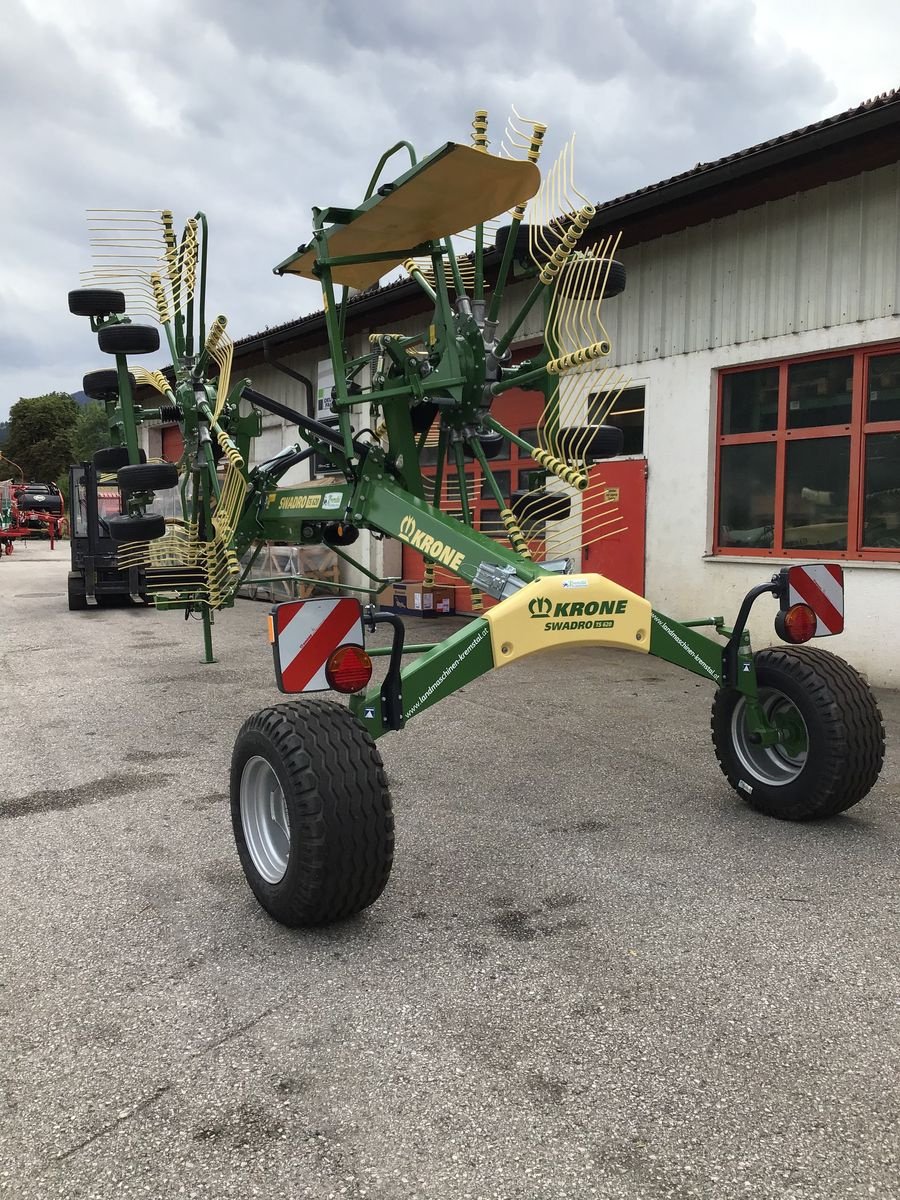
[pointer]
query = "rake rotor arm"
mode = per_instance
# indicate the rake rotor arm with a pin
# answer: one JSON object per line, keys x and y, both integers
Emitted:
{"x": 291, "y": 456}
{"x": 319, "y": 430}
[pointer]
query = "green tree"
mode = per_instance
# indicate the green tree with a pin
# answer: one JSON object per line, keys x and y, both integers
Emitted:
{"x": 41, "y": 429}
{"x": 91, "y": 431}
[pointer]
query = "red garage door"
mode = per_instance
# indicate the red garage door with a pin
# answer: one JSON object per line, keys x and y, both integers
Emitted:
{"x": 620, "y": 557}
{"x": 172, "y": 443}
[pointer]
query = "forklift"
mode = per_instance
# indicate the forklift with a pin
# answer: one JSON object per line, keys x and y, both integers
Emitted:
{"x": 94, "y": 496}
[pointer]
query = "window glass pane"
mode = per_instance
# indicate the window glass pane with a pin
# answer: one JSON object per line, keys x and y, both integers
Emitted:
{"x": 109, "y": 502}
{"x": 820, "y": 393}
{"x": 489, "y": 522}
{"x": 628, "y": 414}
{"x": 817, "y": 481}
{"x": 747, "y": 495}
{"x": 750, "y": 401}
{"x": 502, "y": 480}
{"x": 881, "y": 512}
{"x": 884, "y": 388}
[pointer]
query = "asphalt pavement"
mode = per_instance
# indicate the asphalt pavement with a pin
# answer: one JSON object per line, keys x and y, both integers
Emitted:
{"x": 595, "y": 972}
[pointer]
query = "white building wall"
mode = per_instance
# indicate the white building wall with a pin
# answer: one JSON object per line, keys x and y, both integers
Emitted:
{"x": 815, "y": 271}
{"x": 683, "y": 579}
{"x": 816, "y": 260}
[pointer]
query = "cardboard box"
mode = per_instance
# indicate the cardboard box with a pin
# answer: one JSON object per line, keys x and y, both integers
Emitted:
{"x": 419, "y": 601}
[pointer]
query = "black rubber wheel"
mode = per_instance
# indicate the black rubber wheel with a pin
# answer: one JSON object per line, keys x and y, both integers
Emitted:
{"x": 520, "y": 254}
{"x": 493, "y": 444}
{"x": 77, "y": 597}
{"x": 311, "y": 812}
{"x": 128, "y": 339}
{"x": 148, "y": 477}
{"x": 540, "y": 505}
{"x": 590, "y": 443}
{"x": 39, "y": 502}
{"x": 136, "y": 529}
{"x": 114, "y": 457}
{"x": 95, "y": 302}
{"x": 572, "y": 279}
{"x": 104, "y": 385}
{"x": 833, "y": 747}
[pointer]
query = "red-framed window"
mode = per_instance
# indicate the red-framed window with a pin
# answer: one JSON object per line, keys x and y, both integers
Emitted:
{"x": 808, "y": 457}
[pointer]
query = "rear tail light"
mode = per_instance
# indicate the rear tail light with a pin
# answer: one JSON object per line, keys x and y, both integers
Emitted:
{"x": 348, "y": 669}
{"x": 796, "y": 624}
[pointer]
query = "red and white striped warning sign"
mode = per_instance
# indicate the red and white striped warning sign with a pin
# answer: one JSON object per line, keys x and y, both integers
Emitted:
{"x": 821, "y": 586}
{"x": 305, "y": 633}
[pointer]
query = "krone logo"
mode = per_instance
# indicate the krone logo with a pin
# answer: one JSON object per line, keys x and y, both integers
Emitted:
{"x": 540, "y": 606}
{"x": 431, "y": 547}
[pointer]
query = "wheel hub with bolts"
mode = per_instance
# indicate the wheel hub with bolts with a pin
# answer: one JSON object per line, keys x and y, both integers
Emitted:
{"x": 265, "y": 819}
{"x": 778, "y": 755}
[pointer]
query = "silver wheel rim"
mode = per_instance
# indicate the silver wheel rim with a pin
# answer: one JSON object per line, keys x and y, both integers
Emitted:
{"x": 264, "y": 819}
{"x": 773, "y": 765}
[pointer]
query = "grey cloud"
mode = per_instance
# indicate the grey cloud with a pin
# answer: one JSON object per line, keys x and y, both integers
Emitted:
{"x": 256, "y": 112}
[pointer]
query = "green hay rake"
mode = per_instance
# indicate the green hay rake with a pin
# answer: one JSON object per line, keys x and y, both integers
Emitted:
{"x": 796, "y": 730}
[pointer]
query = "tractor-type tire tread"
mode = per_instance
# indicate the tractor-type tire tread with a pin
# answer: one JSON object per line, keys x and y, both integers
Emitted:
{"x": 848, "y": 755}
{"x": 128, "y": 339}
{"x": 147, "y": 477}
{"x": 104, "y": 384}
{"x": 339, "y": 809}
{"x": 862, "y": 716}
{"x": 96, "y": 302}
{"x": 112, "y": 458}
{"x": 146, "y": 528}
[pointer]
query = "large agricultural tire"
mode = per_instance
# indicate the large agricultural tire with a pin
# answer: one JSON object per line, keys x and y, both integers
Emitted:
{"x": 570, "y": 284}
{"x": 111, "y": 458}
{"x": 521, "y": 252}
{"x": 95, "y": 302}
{"x": 573, "y": 279}
{"x": 590, "y": 443}
{"x": 77, "y": 597}
{"x": 144, "y": 528}
{"x": 838, "y": 746}
{"x": 148, "y": 477}
{"x": 104, "y": 385}
{"x": 311, "y": 812}
{"x": 128, "y": 339}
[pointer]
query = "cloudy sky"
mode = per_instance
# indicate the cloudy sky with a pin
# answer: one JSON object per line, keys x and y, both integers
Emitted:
{"x": 255, "y": 111}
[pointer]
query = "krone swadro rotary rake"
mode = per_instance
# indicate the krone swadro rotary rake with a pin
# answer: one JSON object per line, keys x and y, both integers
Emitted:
{"x": 796, "y": 730}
